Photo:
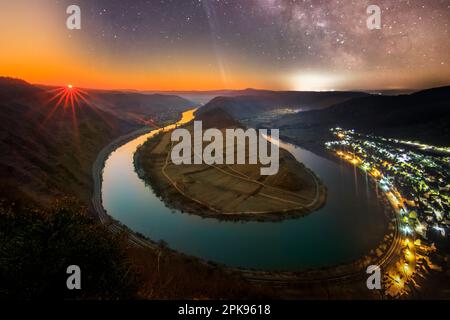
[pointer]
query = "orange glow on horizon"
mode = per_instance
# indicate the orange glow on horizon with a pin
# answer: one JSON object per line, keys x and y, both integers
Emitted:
{"x": 41, "y": 50}
{"x": 40, "y": 55}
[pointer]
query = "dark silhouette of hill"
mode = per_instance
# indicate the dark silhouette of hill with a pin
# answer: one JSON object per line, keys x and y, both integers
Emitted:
{"x": 255, "y": 102}
{"x": 44, "y": 157}
{"x": 203, "y": 97}
{"x": 48, "y": 149}
{"x": 217, "y": 118}
{"x": 424, "y": 116}
{"x": 11, "y": 88}
{"x": 139, "y": 106}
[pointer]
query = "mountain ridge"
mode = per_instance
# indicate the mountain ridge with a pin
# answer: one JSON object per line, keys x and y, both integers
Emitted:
{"x": 423, "y": 115}
{"x": 48, "y": 149}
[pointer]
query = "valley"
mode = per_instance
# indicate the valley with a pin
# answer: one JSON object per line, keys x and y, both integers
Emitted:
{"x": 66, "y": 139}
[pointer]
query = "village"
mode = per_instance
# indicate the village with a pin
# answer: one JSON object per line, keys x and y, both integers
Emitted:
{"x": 414, "y": 178}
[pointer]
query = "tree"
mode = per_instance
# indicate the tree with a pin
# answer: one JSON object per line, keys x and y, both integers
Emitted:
{"x": 37, "y": 246}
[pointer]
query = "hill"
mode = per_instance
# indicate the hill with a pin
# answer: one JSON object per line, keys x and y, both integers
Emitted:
{"x": 45, "y": 155}
{"x": 48, "y": 148}
{"x": 229, "y": 191}
{"x": 423, "y": 116}
{"x": 139, "y": 107}
{"x": 254, "y": 102}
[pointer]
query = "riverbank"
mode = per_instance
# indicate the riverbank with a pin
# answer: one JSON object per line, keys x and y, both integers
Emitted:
{"x": 319, "y": 283}
{"x": 97, "y": 170}
{"x": 159, "y": 264}
{"x": 229, "y": 192}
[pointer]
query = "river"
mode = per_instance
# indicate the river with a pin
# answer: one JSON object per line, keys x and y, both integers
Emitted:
{"x": 351, "y": 223}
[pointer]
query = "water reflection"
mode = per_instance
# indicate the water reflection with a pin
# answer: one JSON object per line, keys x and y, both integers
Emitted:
{"x": 348, "y": 226}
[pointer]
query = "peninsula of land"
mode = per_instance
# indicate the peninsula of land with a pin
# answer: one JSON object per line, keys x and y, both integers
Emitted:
{"x": 231, "y": 192}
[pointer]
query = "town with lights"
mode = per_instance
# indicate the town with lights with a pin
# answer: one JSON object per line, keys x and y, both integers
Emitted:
{"x": 414, "y": 179}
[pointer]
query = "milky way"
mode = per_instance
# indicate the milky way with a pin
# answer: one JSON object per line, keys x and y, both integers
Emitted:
{"x": 280, "y": 44}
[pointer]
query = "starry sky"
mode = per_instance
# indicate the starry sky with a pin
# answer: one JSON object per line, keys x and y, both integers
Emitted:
{"x": 233, "y": 44}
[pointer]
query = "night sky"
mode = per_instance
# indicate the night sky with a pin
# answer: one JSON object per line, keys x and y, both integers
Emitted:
{"x": 214, "y": 44}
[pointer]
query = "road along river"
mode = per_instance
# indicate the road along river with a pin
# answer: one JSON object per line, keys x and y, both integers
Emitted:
{"x": 348, "y": 226}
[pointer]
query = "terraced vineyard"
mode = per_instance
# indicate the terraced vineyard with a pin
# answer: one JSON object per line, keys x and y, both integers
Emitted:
{"x": 237, "y": 190}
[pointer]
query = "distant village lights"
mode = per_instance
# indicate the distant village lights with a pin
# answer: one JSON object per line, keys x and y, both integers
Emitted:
{"x": 415, "y": 184}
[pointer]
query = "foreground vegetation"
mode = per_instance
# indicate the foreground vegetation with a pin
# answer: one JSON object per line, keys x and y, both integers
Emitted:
{"x": 37, "y": 246}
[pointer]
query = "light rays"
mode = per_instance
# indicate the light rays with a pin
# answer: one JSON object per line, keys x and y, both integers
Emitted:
{"x": 67, "y": 98}
{"x": 76, "y": 101}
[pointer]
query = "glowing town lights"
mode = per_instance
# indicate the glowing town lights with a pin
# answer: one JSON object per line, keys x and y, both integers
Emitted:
{"x": 315, "y": 81}
{"x": 393, "y": 199}
{"x": 407, "y": 230}
{"x": 420, "y": 228}
{"x": 406, "y": 269}
{"x": 438, "y": 215}
{"x": 409, "y": 255}
{"x": 375, "y": 173}
{"x": 416, "y": 186}
{"x": 398, "y": 281}
{"x": 404, "y": 158}
{"x": 440, "y": 229}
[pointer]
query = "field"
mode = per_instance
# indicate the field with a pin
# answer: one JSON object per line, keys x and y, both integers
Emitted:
{"x": 233, "y": 191}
